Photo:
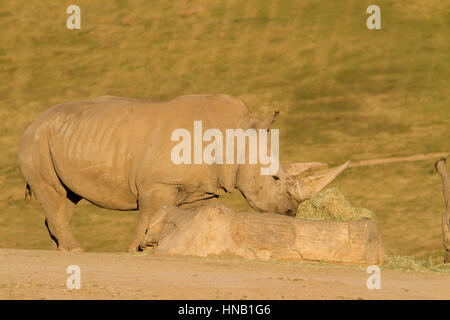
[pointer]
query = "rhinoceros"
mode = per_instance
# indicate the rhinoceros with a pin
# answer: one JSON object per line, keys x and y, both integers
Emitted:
{"x": 115, "y": 153}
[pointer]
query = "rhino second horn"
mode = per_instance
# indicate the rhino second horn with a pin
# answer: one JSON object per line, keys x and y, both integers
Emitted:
{"x": 294, "y": 169}
{"x": 307, "y": 186}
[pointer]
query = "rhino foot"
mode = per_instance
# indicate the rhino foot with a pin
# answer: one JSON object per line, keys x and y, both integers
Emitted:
{"x": 148, "y": 245}
{"x": 70, "y": 249}
{"x": 133, "y": 249}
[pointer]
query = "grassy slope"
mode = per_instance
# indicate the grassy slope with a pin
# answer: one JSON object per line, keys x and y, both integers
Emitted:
{"x": 344, "y": 92}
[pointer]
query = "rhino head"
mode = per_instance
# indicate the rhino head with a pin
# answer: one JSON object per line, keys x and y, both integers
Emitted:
{"x": 284, "y": 191}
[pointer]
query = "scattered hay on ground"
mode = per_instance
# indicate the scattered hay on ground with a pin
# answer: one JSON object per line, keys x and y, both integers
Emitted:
{"x": 408, "y": 263}
{"x": 331, "y": 205}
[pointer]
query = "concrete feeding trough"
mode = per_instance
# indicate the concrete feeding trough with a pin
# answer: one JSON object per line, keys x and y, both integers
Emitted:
{"x": 217, "y": 230}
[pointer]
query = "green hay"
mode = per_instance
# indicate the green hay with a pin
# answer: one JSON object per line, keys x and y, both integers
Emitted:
{"x": 331, "y": 205}
{"x": 407, "y": 263}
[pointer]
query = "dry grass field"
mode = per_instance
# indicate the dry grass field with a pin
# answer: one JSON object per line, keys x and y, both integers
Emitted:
{"x": 344, "y": 92}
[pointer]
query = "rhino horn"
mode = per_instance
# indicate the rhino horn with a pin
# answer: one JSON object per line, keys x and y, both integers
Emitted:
{"x": 294, "y": 169}
{"x": 305, "y": 187}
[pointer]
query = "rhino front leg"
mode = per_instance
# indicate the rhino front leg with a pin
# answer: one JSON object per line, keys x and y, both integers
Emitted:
{"x": 150, "y": 200}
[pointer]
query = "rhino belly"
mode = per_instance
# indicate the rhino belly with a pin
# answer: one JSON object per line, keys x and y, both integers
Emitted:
{"x": 102, "y": 186}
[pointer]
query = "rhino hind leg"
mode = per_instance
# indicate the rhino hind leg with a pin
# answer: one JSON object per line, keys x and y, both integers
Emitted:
{"x": 58, "y": 204}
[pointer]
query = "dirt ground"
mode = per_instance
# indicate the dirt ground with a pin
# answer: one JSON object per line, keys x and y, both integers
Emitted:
{"x": 39, "y": 274}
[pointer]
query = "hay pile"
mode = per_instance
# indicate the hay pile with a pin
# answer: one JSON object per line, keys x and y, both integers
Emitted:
{"x": 407, "y": 263}
{"x": 331, "y": 205}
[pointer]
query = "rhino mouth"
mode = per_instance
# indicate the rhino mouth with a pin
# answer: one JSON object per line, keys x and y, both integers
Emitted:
{"x": 286, "y": 210}
{"x": 251, "y": 203}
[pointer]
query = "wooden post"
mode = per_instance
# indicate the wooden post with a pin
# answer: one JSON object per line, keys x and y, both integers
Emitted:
{"x": 442, "y": 170}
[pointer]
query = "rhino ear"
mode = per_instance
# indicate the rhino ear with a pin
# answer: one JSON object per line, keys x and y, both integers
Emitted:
{"x": 267, "y": 122}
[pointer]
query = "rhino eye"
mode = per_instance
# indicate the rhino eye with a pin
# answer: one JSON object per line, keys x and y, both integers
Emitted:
{"x": 275, "y": 178}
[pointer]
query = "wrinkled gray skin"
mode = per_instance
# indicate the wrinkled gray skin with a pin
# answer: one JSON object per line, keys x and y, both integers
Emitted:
{"x": 115, "y": 153}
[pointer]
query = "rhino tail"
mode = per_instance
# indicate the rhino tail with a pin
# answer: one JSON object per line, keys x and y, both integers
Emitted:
{"x": 28, "y": 192}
